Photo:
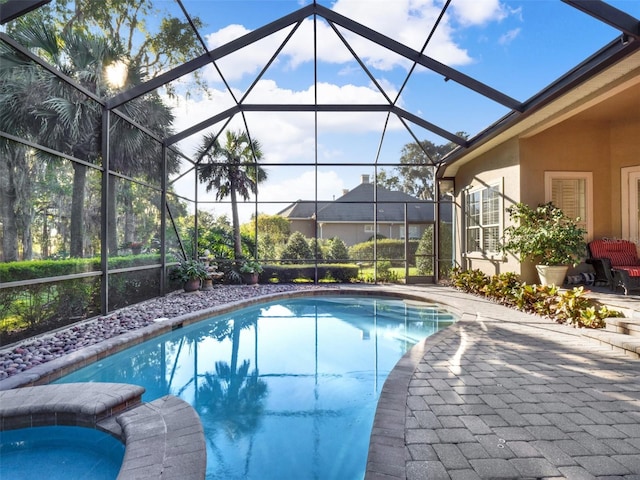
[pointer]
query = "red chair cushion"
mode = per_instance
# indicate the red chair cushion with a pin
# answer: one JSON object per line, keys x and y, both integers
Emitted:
{"x": 633, "y": 271}
{"x": 620, "y": 252}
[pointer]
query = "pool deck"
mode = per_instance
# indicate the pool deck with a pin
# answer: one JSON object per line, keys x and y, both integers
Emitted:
{"x": 506, "y": 395}
{"x": 500, "y": 394}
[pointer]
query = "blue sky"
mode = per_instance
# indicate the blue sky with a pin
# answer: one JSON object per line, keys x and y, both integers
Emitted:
{"x": 517, "y": 47}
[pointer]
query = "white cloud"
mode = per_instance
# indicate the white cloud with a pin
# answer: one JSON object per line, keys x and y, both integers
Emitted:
{"x": 479, "y": 12}
{"x": 416, "y": 18}
{"x": 509, "y": 36}
{"x": 330, "y": 184}
{"x": 286, "y": 136}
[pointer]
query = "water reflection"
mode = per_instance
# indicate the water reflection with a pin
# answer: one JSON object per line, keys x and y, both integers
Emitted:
{"x": 284, "y": 390}
{"x": 231, "y": 398}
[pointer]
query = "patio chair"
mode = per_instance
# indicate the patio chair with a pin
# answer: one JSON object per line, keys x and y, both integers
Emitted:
{"x": 616, "y": 263}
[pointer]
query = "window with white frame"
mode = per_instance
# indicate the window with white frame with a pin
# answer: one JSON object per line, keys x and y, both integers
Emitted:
{"x": 572, "y": 193}
{"x": 483, "y": 207}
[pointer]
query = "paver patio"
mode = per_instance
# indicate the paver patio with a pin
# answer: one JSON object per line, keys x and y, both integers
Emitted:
{"x": 504, "y": 394}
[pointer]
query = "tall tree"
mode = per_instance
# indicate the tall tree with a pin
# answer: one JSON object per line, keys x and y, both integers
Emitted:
{"x": 415, "y": 174}
{"x": 153, "y": 38}
{"x": 65, "y": 119}
{"x": 58, "y": 115}
{"x": 136, "y": 155}
{"x": 232, "y": 170}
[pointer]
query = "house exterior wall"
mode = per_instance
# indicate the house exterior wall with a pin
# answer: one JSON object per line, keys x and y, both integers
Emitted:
{"x": 579, "y": 146}
{"x": 602, "y": 148}
{"x": 353, "y": 233}
{"x": 625, "y": 152}
{"x": 306, "y": 227}
{"x": 500, "y": 164}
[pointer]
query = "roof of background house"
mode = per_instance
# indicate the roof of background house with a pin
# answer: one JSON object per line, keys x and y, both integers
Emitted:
{"x": 357, "y": 205}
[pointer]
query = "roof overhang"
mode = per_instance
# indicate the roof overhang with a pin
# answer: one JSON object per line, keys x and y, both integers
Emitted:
{"x": 609, "y": 72}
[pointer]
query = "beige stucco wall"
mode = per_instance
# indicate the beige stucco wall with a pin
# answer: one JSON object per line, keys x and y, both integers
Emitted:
{"x": 353, "y": 233}
{"x": 602, "y": 148}
{"x": 576, "y": 146}
{"x": 624, "y": 152}
{"x": 499, "y": 164}
{"x": 593, "y": 129}
{"x": 306, "y": 227}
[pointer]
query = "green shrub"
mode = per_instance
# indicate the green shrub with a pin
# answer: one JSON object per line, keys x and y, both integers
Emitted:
{"x": 296, "y": 250}
{"x": 338, "y": 251}
{"x": 343, "y": 273}
{"x": 386, "y": 249}
{"x": 316, "y": 249}
{"x": 424, "y": 253}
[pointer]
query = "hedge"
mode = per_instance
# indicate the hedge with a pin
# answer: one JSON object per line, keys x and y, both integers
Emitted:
{"x": 342, "y": 273}
{"x": 34, "y": 269}
{"x": 387, "y": 249}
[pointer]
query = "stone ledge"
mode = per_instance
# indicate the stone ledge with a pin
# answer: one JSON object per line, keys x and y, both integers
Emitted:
{"x": 74, "y": 404}
{"x": 165, "y": 439}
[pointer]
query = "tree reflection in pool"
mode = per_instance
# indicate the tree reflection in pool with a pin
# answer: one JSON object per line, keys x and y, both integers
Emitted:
{"x": 285, "y": 389}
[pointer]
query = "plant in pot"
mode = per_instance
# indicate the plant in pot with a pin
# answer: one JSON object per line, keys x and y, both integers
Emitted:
{"x": 250, "y": 270}
{"x": 546, "y": 236}
{"x": 190, "y": 273}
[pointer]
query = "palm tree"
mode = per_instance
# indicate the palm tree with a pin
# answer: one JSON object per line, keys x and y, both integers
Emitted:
{"x": 55, "y": 114}
{"x": 232, "y": 170}
{"x": 63, "y": 118}
{"x": 135, "y": 154}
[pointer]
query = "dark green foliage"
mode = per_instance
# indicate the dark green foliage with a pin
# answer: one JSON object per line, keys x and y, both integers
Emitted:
{"x": 386, "y": 249}
{"x": 315, "y": 246}
{"x": 33, "y": 309}
{"x": 29, "y": 270}
{"x": 14, "y": 271}
{"x": 544, "y": 235}
{"x": 338, "y": 251}
{"x": 342, "y": 273}
{"x": 384, "y": 272}
{"x": 296, "y": 250}
{"x": 189, "y": 270}
{"x": 127, "y": 288}
{"x": 571, "y": 306}
{"x": 424, "y": 253}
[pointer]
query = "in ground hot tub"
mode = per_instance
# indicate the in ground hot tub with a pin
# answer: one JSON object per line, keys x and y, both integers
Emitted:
{"x": 59, "y": 452}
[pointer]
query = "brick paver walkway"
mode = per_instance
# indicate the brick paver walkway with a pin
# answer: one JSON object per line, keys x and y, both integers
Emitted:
{"x": 502, "y": 394}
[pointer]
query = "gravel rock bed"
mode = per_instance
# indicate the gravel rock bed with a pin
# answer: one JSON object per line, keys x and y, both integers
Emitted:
{"x": 46, "y": 347}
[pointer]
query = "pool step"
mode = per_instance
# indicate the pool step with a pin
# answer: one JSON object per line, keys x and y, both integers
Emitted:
{"x": 627, "y": 326}
{"x": 165, "y": 440}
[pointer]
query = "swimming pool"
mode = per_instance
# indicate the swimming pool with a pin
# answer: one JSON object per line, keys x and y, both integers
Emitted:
{"x": 58, "y": 453}
{"x": 285, "y": 389}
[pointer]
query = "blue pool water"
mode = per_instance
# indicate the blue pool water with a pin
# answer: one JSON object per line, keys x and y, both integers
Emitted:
{"x": 58, "y": 453}
{"x": 285, "y": 390}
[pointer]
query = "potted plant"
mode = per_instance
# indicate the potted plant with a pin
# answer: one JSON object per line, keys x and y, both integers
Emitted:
{"x": 250, "y": 270}
{"x": 546, "y": 236}
{"x": 190, "y": 273}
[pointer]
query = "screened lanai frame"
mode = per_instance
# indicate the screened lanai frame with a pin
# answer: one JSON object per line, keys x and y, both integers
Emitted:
{"x": 627, "y": 25}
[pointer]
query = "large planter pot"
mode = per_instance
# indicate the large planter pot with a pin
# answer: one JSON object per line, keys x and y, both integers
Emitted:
{"x": 191, "y": 285}
{"x": 552, "y": 275}
{"x": 250, "y": 278}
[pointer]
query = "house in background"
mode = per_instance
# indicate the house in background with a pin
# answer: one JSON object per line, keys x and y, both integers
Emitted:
{"x": 352, "y": 216}
{"x": 577, "y": 144}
